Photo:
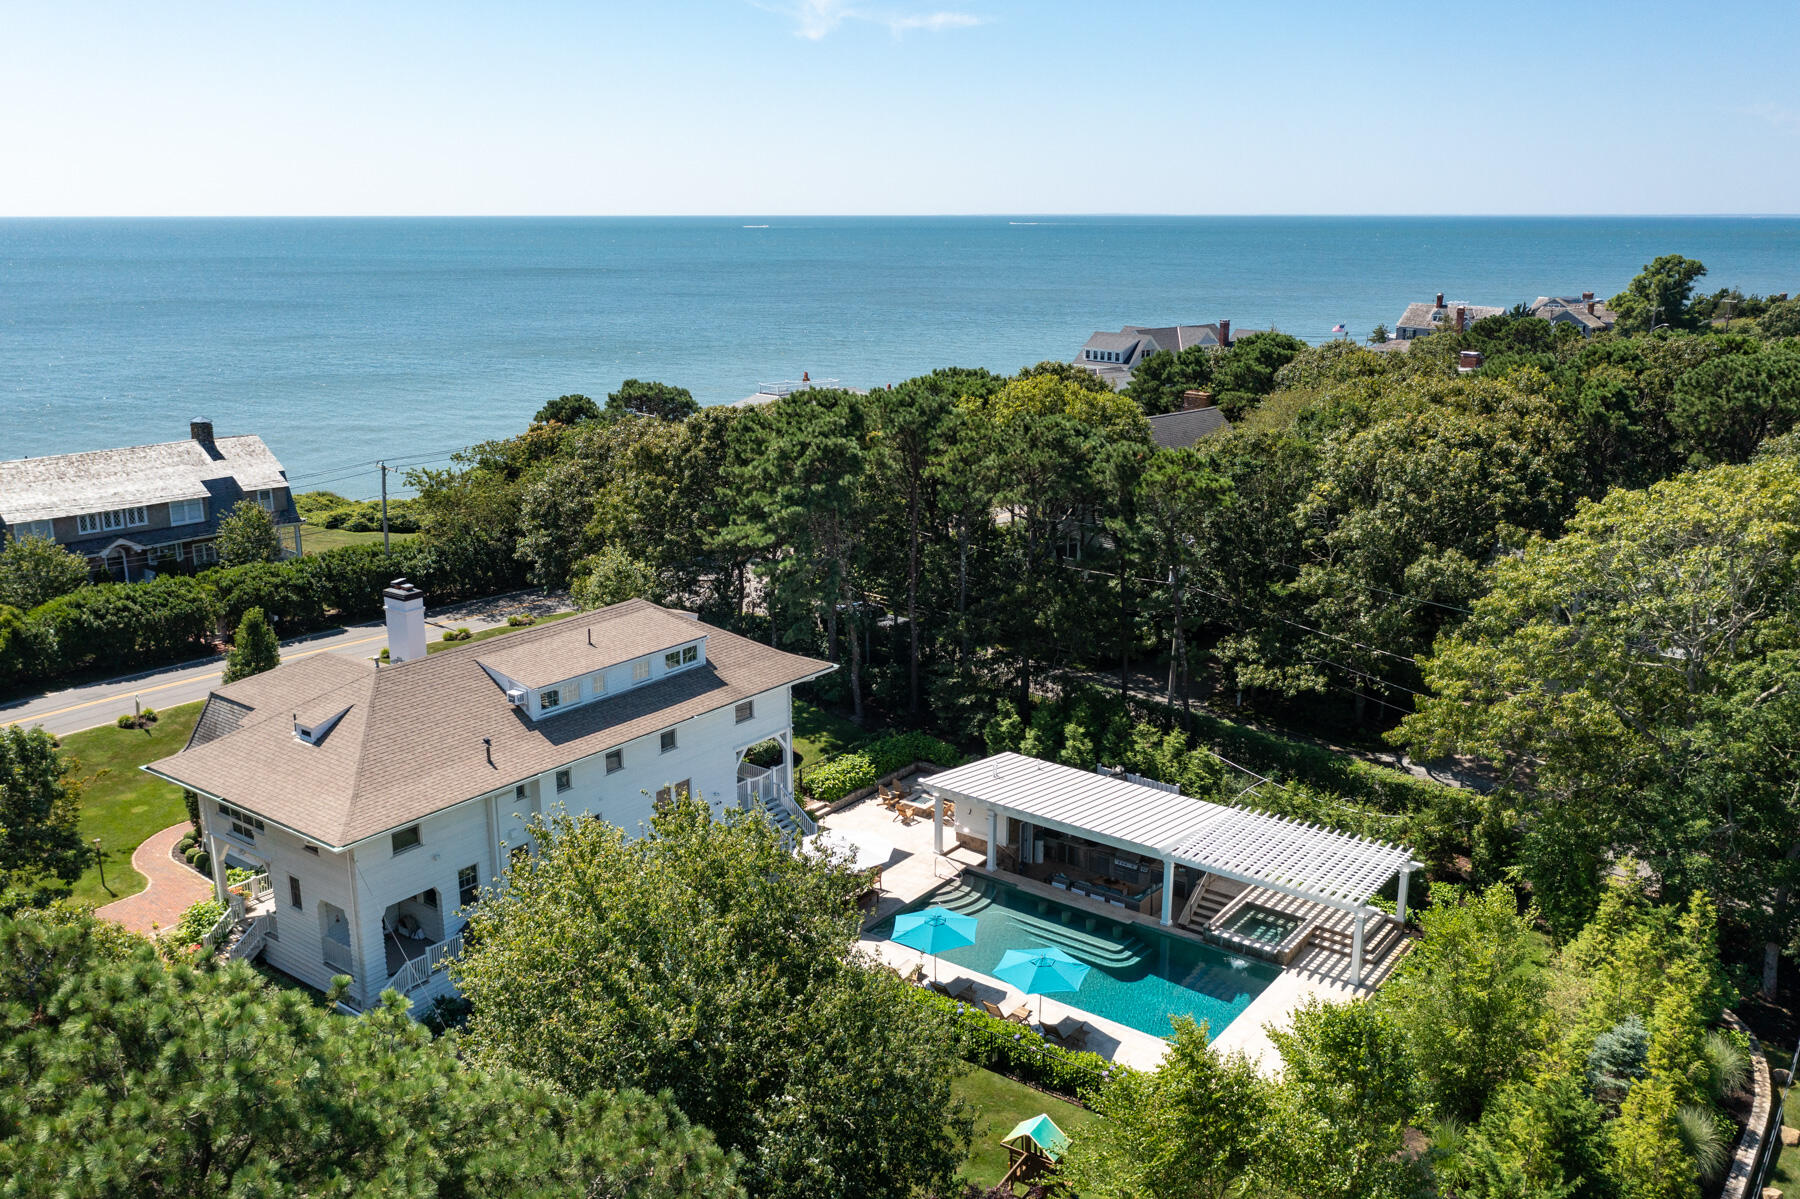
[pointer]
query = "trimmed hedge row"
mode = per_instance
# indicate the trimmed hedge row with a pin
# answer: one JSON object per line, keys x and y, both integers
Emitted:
{"x": 134, "y": 626}
{"x": 1021, "y": 1051}
{"x": 830, "y": 781}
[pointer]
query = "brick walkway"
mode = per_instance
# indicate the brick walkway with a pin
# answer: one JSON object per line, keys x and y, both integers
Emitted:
{"x": 170, "y": 887}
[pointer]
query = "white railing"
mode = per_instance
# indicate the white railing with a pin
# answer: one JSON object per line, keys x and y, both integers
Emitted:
{"x": 417, "y": 971}
{"x": 798, "y": 814}
{"x": 754, "y": 789}
{"x": 220, "y": 930}
{"x": 337, "y": 955}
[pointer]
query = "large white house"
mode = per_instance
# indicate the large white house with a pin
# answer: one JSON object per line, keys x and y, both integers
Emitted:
{"x": 380, "y": 799}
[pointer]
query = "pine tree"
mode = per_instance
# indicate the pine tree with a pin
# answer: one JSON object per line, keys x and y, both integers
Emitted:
{"x": 254, "y": 649}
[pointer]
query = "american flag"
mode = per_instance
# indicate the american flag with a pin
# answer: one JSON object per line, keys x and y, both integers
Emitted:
{"x": 1339, "y": 329}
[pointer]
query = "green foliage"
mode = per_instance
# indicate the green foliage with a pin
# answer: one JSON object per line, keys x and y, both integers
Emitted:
{"x": 661, "y": 400}
{"x": 1727, "y": 1065}
{"x": 1659, "y": 295}
{"x": 1648, "y": 1156}
{"x": 520, "y": 620}
{"x": 35, "y": 570}
{"x": 1618, "y": 1057}
{"x": 329, "y": 510}
{"x": 40, "y": 843}
{"x": 196, "y": 922}
{"x": 567, "y": 410}
{"x": 1470, "y": 995}
{"x": 888, "y": 754}
{"x": 1005, "y": 1047}
{"x": 1781, "y": 320}
{"x": 830, "y": 781}
{"x": 1543, "y": 1139}
{"x": 254, "y": 649}
{"x": 174, "y": 1080}
{"x": 705, "y": 959}
{"x": 457, "y": 634}
{"x": 612, "y": 576}
{"x": 247, "y": 534}
{"x": 1707, "y": 1138}
{"x": 1192, "y": 1129}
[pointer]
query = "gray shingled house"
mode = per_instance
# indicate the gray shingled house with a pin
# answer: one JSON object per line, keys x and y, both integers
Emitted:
{"x": 132, "y": 510}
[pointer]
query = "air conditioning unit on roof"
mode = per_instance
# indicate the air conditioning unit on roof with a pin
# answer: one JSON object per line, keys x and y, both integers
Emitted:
{"x": 515, "y": 696}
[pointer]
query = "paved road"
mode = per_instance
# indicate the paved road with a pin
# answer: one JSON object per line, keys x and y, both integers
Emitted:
{"x": 75, "y": 708}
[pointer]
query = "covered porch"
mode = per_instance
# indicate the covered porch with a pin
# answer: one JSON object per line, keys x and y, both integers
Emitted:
{"x": 1291, "y": 893}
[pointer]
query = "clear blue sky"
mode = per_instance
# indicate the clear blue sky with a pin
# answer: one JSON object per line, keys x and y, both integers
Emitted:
{"x": 947, "y": 106}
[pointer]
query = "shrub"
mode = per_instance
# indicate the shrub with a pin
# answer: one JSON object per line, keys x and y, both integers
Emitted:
{"x": 893, "y": 753}
{"x": 830, "y": 781}
{"x": 197, "y": 921}
{"x": 457, "y": 634}
{"x": 191, "y": 852}
{"x": 764, "y": 753}
{"x": 1021, "y": 1051}
{"x": 186, "y": 843}
{"x": 148, "y": 716}
{"x": 126, "y": 721}
{"x": 520, "y": 620}
{"x": 203, "y": 862}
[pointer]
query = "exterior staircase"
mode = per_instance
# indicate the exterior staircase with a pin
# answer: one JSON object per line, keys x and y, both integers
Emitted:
{"x": 246, "y": 941}
{"x": 1207, "y": 901}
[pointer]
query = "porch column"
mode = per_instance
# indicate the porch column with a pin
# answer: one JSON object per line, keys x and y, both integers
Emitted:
{"x": 937, "y": 823}
{"x": 216, "y": 853}
{"x": 1356, "y": 947}
{"x": 1168, "y": 896}
{"x": 786, "y": 738}
{"x": 1400, "y": 900}
{"x": 993, "y": 839}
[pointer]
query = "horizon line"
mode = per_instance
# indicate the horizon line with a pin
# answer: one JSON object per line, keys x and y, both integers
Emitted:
{"x": 814, "y": 216}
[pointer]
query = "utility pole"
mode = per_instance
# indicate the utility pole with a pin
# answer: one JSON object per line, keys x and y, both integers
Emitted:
{"x": 385, "y": 547}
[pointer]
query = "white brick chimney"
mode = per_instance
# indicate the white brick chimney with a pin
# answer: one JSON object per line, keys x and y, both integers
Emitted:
{"x": 405, "y": 606}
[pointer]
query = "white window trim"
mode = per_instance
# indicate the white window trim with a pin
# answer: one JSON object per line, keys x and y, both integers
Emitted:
{"x": 113, "y": 519}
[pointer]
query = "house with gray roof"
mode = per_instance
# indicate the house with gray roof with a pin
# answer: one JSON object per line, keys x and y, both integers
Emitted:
{"x": 133, "y": 510}
{"x": 374, "y": 802}
{"x": 1113, "y": 356}
{"x": 1198, "y": 418}
{"x": 1587, "y": 314}
{"x": 1422, "y": 319}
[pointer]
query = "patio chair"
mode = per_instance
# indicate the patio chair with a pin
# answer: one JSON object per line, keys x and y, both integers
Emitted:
{"x": 964, "y": 990}
{"x": 1020, "y": 1014}
{"x": 914, "y": 976}
{"x": 942, "y": 989}
{"x": 1068, "y": 1032}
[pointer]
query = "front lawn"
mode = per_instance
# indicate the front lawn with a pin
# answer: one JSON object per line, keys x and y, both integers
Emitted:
{"x": 121, "y": 804}
{"x": 316, "y": 539}
{"x": 1000, "y": 1103}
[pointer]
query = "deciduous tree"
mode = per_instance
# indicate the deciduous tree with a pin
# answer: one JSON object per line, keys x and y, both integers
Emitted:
{"x": 35, "y": 570}
{"x": 247, "y": 534}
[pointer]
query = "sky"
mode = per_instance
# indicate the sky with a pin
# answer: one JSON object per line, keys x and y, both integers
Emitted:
{"x": 779, "y": 107}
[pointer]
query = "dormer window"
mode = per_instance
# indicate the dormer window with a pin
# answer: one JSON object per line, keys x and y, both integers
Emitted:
{"x": 672, "y": 660}
{"x": 548, "y": 699}
{"x": 690, "y": 654}
{"x": 640, "y": 670}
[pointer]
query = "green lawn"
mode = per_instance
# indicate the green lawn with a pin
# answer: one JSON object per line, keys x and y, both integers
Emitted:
{"x": 1784, "y": 1174}
{"x": 316, "y": 539}
{"x": 819, "y": 734}
{"x": 121, "y": 804}
{"x": 999, "y": 1104}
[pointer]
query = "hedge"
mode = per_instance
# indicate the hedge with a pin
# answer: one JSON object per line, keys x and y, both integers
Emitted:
{"x": 125, "y": 627}
{"x": 1021, "y": 1051}
{"x": 831, "y": 780}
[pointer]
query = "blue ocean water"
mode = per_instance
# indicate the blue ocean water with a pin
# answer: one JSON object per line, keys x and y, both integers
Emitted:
{"x": 344, "y": 340}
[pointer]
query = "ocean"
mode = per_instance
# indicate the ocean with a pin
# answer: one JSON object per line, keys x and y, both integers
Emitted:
{"x": 341, "y": 341}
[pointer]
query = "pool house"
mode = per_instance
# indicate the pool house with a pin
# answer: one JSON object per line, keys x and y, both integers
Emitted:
{"x": 1291, "y": 893}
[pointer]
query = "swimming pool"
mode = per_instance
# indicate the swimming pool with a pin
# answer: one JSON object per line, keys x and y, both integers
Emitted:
{"x": 1140, "y": 977}
{"x": 1253, "y": 922}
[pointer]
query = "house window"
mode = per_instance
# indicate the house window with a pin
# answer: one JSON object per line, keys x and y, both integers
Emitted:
{"x": 35, "y": 528}
{"x": 519, "y": 791}
{"x": 244, "y": 826}
{"x": 108, "y": 522}
{"x": 673, "y": 791}
{"x": 598, "y": 682}
{"x": 549, "y": 699}
{"x": 187, "y": 512}
{"x": 668, "y": 740}
{"x": 428, "y": 898}
{"x": 563, "y": 781}
{"x": 640, "y": 670}
{"x": 519, "y": 854}
{"x": 407, "y": 838}
{"x": 746, "y": 711}
{"x": 690, "y": 654}
{"x": 615, "y": 760}
{"x": 157, "y": 553}
{"x": 293, "y": 892}
{"x": 313, "y": 850}
{"x": 468, "y": 885}
{"x": 672, "y": 659}
{"x": 205, "y": 553}
{"x": 266, "y": 498}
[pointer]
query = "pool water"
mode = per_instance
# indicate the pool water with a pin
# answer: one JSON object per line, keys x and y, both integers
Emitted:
{"x": 1140, "y": 977}
{"x": 1253, "y": 922}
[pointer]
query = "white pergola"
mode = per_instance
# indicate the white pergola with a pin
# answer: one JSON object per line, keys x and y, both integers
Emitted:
{"x": 1305, "y": 861}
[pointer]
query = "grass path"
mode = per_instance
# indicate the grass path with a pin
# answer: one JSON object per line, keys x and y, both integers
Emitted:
{"x": 120, "y": 804}
{"x": 999, "y": 1104}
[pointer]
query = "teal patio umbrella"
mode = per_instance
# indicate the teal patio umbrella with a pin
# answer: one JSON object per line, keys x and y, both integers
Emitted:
{"x": 934, "y": 931}
{"x": 1041, "y": 971}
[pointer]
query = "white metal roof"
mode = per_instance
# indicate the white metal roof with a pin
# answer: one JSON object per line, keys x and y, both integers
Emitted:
{"x": 1285, "y": 855}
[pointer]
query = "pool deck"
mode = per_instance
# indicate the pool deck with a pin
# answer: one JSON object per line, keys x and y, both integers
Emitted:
{"x": 915, "y": 870}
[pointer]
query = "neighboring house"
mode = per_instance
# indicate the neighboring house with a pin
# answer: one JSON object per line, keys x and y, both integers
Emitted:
{"x": 130, "y": 510}
{"x": 1422, "y": 320}
{"x": 380, "y": 800}
{"x": 1584, "y": 312}
{"x": 1113, "y": 356}
{"x": 1197, "y": 418}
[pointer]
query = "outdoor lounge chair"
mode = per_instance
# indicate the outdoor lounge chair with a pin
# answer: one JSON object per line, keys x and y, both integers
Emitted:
{"x": 942, "y": 989}
{"x": 964, "y": 990}
{"x": 1068, "y": 1032}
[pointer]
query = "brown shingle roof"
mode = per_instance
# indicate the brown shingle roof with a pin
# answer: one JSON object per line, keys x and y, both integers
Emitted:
{"x": 619, "y": 635}
{"x": 410, "y": 743}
